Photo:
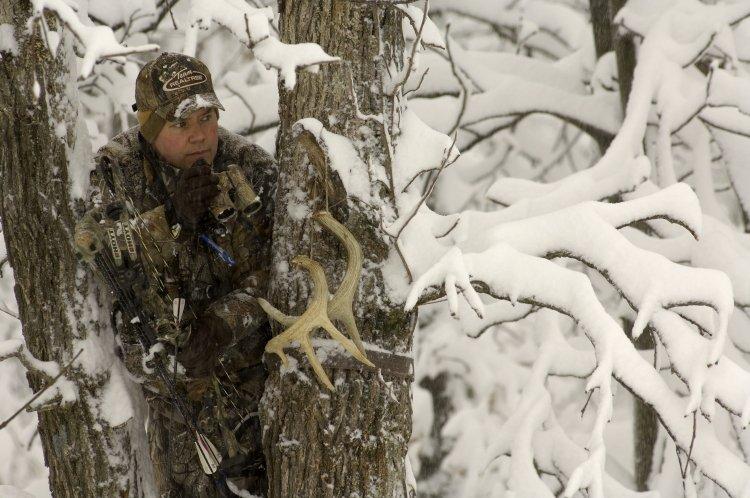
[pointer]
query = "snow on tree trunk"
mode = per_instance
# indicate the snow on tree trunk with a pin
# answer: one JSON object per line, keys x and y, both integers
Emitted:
{"x": 352, "y": 441}
{"x": 89, "y": 441}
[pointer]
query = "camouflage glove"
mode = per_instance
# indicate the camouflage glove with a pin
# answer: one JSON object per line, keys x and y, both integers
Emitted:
{"x": 196, "y": 188}
{"x": 87, "y": 243}
{"x": 209, "y": 336}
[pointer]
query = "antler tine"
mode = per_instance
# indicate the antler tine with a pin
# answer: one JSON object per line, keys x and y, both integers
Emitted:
{"x": 315, "y": 316}
{"x": 275, "y": 314}
{"x": 340, "y": 307}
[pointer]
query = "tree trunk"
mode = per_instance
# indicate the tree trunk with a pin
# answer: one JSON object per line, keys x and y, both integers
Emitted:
{"x": 602, "y": 25}
{"x": 606, "y": 39}
{"x": 646, "y": 423}
{"x": 87, "y": 449}
{"x": 353, "y": 441}
{"x": 625, "y": 54}
{"x": 442, "y": 408}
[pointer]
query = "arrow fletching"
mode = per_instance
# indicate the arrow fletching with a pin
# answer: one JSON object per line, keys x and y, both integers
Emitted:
{"x": 208, "y": 455}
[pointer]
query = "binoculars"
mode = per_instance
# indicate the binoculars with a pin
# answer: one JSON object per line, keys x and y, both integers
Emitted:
{"x": 235, "y": 196}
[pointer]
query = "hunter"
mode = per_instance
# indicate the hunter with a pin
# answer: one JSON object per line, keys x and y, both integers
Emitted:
{"x": 168, "y": 168}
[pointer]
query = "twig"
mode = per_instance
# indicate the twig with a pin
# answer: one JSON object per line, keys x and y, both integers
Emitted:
{"x": 31, "y": 439}
{"x": 357, "y": 111}
{"x": 446, "y": 162}
{"x": 250, "y": 43}
{"x": 586, "y": 404}
{"x": 8, "y": 312}
{"x": 419, "y": 84}
{"x": 165, "y": 10}
{"x": 247, "y": 104}
{"x": 481, "y": 137}
{"x": 545, "y": 168}
{"x": 131, "y": 20}
{"x": 251, "y": 130}
{"x": 33, "y": 398}
{"x": 417, "y": 41}
{"x": 464, "y": 89}
{"x": 692, "y": 442}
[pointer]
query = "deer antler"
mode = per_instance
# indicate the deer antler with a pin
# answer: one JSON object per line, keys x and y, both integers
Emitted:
{"x": 341, "y": 305}
{"x": 314, "y": 317}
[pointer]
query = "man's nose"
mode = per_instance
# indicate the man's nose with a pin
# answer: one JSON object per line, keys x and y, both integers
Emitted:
{"x": 197, "y": 135}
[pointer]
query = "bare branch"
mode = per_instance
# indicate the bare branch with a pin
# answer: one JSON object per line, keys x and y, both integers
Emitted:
{"x": 4, "y": 308}
{"x": 165, "y": 8}
{"x": 464, "y": 88}
{"x": 414, "y": 48}
{"x": 446, "y": 162}
{"x": 26, "y": 405}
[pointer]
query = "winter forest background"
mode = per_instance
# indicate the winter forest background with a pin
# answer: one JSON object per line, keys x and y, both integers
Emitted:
{"x": 569, "y": 203}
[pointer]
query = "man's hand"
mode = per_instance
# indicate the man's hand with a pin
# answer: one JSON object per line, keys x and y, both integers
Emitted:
{"x": 87, "y": 243}
{"x": 196, "y": 188}
{"x": 209, "y": 336}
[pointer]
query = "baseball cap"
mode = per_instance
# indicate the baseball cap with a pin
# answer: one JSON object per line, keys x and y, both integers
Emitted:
{"x": 169, "y": 88}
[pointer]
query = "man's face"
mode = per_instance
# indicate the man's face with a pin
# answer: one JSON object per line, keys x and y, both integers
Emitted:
{"x": 183, "y": 142}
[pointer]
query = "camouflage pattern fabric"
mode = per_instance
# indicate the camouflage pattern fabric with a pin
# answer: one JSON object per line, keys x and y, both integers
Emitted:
{"x": 170, "y": 87}
{"x": 226, "y": 404}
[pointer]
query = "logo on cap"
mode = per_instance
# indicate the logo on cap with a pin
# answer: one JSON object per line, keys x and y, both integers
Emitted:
{"x": 183, "y": 78}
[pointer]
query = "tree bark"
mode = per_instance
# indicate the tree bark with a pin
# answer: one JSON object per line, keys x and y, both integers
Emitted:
{"x": 86, "y": 456}
{"x": 646, "y": 423}
{"x": 607, "y": 38}
{"x": 625, "y": 54}
{"x": 353, "y": 441}
{"x": 602, "y": 26}
{"x": 442, "y": 408}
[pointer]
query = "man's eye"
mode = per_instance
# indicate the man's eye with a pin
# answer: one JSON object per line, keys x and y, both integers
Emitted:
{"x": 206, "y": 117}
{"x": 179, "y": 124}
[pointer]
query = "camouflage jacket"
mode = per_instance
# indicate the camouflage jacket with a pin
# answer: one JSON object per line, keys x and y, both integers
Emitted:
{"x": 180, "y": 265}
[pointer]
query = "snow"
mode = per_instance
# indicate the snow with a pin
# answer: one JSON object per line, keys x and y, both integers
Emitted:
{"x": 287, "y": 58}
{"x": 249, "y": 24}
{"x": 239, "y": 492}
{"x": 595, "y": 111}
{"x": 430, "y": 34}
{"x": 17, "y": 348}
{"x": 560, "y": 19}
{"x": 251, "y": 27}
{"x": 547, "y": 219}
{"x": 248, "y": 105}
{"x": 8, "y": 41}
{"x": 341, "y": 157}
{"x": 12, "y": 492}
{"x": 527, "y": 218}
{"x": 98, "y": 41}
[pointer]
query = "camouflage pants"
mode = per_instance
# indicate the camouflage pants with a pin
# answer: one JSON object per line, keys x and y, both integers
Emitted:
{"x": 177, "y": 468}
{"x": 225, "y": 417}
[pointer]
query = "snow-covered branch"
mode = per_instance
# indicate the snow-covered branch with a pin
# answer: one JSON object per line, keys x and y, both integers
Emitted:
{"x": 506, "y": 273}
{"x": 59, "y": 390}
{"x": 251, "y": 26}
{"x": 98, "y": 42}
